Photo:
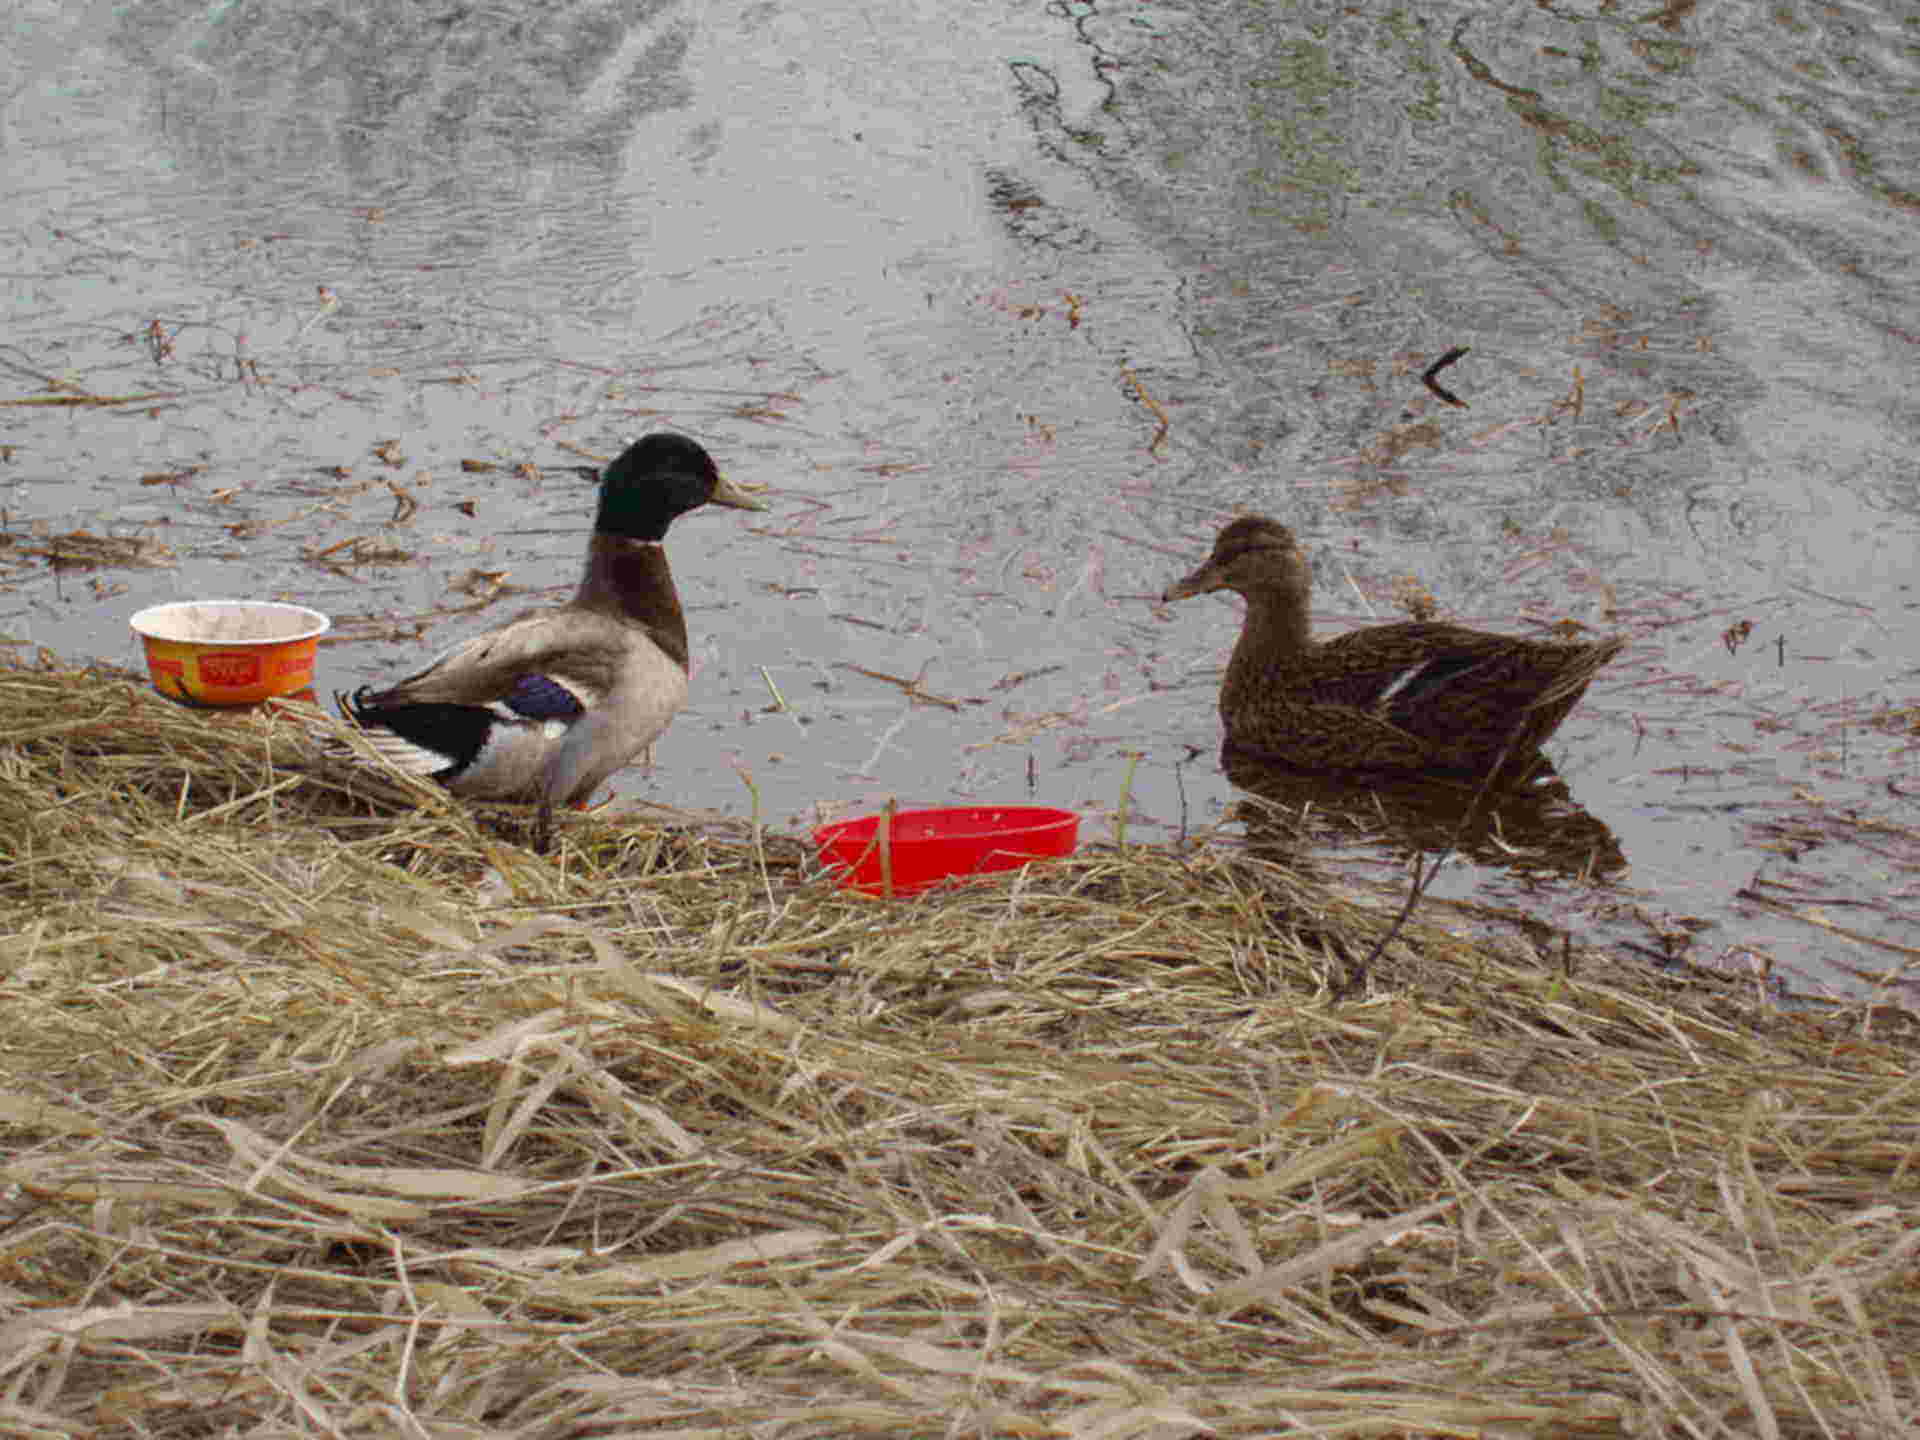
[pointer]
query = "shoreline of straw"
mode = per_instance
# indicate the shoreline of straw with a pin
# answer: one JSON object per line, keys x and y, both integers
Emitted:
{"x": 330, "y": 1106}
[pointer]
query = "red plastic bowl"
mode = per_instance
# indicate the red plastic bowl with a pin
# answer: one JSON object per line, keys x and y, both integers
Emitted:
{"x": 952, "y": 842}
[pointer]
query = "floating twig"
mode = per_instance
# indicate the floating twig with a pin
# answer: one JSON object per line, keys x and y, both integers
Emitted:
{"x": 780, "y": 705}
{"x": 404, "y": 505}
{"x": 1158, "y": 444}
{"x": 94, "y": 400}
{"x": 1126, "y": 799}
{"x": 911, "y": 687}
{"x": 83, "y": 550}
{"x": 1427, "y": 377}
{"x": 1015, "y": 678}
{"x": 886, "y": 848}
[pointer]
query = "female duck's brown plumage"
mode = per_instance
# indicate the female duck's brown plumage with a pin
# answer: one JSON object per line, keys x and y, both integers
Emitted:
{"x": 1417, "y": 696}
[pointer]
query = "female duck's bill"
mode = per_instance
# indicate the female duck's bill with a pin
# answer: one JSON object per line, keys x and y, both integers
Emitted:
{"x": 548, "y": 705}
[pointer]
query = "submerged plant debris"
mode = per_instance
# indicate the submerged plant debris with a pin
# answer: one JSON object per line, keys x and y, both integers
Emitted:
{"x": 83, "y": 550}
{"x": 325, "y": 1097}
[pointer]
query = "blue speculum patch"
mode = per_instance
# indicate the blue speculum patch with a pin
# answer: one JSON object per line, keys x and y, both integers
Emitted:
{"x": 539, "y": 697}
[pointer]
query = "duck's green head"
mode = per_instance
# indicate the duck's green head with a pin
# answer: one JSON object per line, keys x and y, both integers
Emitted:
{"x": 656, "y": 479}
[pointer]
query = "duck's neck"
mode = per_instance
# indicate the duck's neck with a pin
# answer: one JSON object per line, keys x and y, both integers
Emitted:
{"x": 1274, "y": 640}
{"x": 629, "y": 580}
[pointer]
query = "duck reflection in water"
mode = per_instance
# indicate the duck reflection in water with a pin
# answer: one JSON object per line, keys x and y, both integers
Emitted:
{"x": 1531, "y": 825}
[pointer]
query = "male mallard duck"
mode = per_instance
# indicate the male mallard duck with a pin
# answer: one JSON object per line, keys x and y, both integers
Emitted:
{"x": 551, "y": 703}
{"x": 1417, "y": 696}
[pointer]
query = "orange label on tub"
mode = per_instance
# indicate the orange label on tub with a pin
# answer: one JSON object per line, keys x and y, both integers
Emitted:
{"x": 228, "y": 669}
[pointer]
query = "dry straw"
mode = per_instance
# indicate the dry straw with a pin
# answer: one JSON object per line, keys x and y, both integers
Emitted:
{"x": 331, "y": 1110}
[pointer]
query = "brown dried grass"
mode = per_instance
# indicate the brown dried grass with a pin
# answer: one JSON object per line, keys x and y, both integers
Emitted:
{"x": 331, "y": 1110}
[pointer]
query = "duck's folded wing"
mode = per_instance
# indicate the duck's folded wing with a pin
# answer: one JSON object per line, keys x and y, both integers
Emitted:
{"x": 1400, "y": 671}
{"x": 1418, "y": 688}
{"x": 535, "y": 663}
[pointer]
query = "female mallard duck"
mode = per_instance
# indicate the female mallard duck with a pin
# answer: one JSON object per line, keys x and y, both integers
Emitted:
{"x": 551, "y": 703}
{"x": 1417, "y": 696}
